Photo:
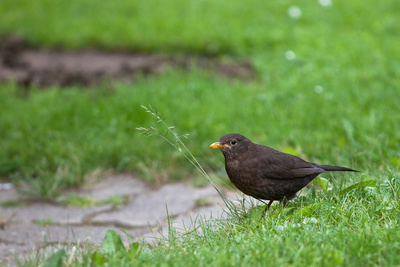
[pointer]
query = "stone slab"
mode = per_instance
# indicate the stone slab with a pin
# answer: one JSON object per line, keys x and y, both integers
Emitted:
{"x": 151, "y": 208}
{"x": 52, "y": 212}
{"x": 8, "y": 193}
{"x": 114, "y": 185}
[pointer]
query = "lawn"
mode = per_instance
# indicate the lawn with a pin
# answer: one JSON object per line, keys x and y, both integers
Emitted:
{"x": 327, "y": 89}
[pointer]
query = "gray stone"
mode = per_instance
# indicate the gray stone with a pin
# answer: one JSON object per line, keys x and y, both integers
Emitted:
{"x": 24, "y": 239}
{"x": 54, "y": 213}
{"x": 115, "y": 185}
{"x": 150, "y": 209}
{"x": 9, "y": 252}
{"x": 187, "y": 207}
{"x": 30, "y": 234}
{"x": 186, "y": 223}
{"x": 8, "y": 193}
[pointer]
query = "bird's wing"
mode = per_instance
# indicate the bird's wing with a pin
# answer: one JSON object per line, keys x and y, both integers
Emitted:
{"x": 278, "y": 171}
{"x": 277, "y": 166}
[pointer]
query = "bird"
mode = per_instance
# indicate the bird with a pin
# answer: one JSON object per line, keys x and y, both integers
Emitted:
{"x": 265, "y": 173}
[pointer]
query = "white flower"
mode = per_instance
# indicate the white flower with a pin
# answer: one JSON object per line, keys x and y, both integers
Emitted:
{"x": 290, "y": 55}
{"x": 325, "y": 2}
{"x": 294, "y": 12}
{"x": 318, "y": 89}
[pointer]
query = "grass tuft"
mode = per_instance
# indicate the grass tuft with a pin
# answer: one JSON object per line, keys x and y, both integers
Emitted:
{"x": 176, "y": 142}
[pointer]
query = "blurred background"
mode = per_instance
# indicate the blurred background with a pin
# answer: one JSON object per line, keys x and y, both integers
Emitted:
{"x": 318, "y": 79}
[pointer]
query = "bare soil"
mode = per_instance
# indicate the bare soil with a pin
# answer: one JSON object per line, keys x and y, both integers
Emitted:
{"x": 46, "y": 68}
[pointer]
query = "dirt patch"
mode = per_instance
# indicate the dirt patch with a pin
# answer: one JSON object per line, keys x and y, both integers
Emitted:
{"x": 45, "y": 68}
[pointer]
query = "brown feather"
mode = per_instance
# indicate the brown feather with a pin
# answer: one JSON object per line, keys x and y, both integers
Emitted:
{"x": 266, "y": 173}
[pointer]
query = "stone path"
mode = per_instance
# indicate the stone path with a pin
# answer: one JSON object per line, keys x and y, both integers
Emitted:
{"x": 26, "y": 227}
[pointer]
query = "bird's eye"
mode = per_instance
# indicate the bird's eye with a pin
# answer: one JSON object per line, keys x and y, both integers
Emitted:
{"x": 233, "y": 142}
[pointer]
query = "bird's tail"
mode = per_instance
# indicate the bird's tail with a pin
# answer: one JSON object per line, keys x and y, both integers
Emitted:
{"x": 335, "y": 168}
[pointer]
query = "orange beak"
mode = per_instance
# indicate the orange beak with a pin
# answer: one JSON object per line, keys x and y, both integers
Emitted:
{"x": 218, "y": 145}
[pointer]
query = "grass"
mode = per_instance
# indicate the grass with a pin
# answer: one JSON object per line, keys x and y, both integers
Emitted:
{"x": 336, "y": 234}
{"x": 342, "y": 227}
{"x": 209, "y": 27}
{"x": 55, "y": 138}
{"x": 326, "y": 90}
{"x": 336, "y": 97}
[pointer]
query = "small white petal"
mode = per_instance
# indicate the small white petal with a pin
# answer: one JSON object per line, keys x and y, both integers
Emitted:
{"x": 290, "y": 55}
{"x": 294, "y": 12}
{"x": 318, "y": 89}
{"x": 325, "y": 2}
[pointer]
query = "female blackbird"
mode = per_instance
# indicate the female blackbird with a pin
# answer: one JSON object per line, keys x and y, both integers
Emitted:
{"x": 265, "y": 173}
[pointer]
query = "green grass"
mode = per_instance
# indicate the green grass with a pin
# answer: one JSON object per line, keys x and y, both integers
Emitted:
{"x": 341, "y": 227}
{"x": 208, "y": 27}
{"x": 57, "y": 137}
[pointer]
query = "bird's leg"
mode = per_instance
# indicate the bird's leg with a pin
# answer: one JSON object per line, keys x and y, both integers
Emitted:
{"x": 267, "y": 208}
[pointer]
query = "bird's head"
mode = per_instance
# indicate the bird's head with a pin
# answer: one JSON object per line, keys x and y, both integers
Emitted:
{"x": 232, "y": 144}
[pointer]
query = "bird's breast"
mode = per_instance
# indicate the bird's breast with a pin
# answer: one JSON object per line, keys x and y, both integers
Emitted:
{"x": 240, "y": 173}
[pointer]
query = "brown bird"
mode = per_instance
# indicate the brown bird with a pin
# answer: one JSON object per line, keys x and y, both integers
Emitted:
{"x": 265, "y": 173}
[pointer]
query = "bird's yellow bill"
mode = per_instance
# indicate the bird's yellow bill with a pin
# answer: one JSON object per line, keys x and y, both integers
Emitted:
{"x": 218, "y": 145}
